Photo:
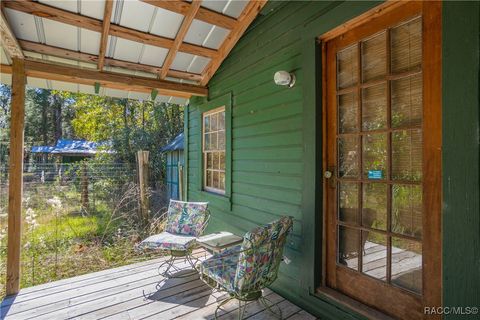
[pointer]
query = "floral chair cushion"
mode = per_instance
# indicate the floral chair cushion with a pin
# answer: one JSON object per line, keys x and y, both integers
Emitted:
{"x": 221, "y": 267}
{"x": 168, "y": 241}
{"x": 261, "y": 254}
{"x": 187, "y": 218}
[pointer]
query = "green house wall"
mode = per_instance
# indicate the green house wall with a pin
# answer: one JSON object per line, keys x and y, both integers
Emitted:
{"x": 275, "y": 143}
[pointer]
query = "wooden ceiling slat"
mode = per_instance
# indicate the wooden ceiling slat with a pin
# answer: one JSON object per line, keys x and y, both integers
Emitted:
{"x": 203, "y": 14}
{"x": 8, "y": 40}
{"x": 248, "y": 15}
{"x": 68, "y": 73}
{"x": 91, "y": 58}
{"x": 49, "y": 12}
{"x": 107, "y": 15}
{"x": 186, "y": 23}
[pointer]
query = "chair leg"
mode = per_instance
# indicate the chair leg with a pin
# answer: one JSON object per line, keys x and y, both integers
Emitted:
{"x": 241, "y": 309}
{"x": 270, "y": 306}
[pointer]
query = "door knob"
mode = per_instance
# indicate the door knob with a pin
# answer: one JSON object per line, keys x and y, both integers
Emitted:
{"x": 327, "y": 174}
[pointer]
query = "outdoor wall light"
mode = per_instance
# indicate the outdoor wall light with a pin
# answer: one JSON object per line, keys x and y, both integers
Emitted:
{"x": 284, "y": 78}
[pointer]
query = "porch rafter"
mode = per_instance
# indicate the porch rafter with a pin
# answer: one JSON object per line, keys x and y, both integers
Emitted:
{"x": 107, "y": 15}
{"x": 246, "y": 18}
{"x": 187, "y": 21}
{"x": 8, "y": 39}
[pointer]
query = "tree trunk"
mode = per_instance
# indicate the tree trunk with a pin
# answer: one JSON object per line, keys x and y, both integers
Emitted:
{"x": 57, "y": 114}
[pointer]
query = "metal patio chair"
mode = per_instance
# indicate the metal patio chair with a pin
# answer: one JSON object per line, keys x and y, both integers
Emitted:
{"x": 243, "y": 271}
{"x": 185, "y": 221}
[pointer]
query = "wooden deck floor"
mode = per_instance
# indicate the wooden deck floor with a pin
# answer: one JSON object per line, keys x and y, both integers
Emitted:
{"x": 132, "y": 292}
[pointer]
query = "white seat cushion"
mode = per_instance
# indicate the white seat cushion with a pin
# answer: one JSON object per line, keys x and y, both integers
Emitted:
{"x": 168, "y": 241}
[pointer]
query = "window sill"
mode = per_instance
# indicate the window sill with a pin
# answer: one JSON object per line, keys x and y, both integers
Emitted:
{"x": 340, "y": 299}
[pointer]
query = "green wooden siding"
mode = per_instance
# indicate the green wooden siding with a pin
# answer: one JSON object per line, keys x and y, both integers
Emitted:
{"x": 276, "y": 142}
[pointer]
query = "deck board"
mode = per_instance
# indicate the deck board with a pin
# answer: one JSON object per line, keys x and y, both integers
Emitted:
{"x": 134, "y": 291}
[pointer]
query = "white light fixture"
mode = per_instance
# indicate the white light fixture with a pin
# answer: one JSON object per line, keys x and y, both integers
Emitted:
{"x": 284, "y": 78}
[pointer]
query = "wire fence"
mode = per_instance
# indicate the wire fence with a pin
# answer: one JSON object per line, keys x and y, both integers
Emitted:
{"x": 78, "y": 218}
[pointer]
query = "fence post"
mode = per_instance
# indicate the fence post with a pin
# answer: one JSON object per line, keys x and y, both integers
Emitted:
{"x": 84, "y": 187}
{"x": 142, "y": 164}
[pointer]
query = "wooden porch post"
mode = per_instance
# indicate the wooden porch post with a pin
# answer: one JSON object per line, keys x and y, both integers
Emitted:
{"x": 15, "y": 188}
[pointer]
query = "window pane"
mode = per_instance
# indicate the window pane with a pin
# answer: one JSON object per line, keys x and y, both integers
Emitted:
{"x": 374, "y": 53}
{"x": 221, "y": 120}
{"x": 375, "y": 155}
{"x": 347, "y": 113}
{"x": 216, "y": 182}
{"x": 213, "y": 141}
{"x": 222, "y": 161}
{"x": 216, "y": 159}
{"x": 374, "y": 261}
{"x": 348, "y": 245}
{"x": 208, "y": 181}
{"x": 209, "y": 160}
{"x": 347, "y": 64}
{"x": 221, "y": 140}
{"x": 348, "y": 202}
{"x": 407, "y": 210}
{"x": 207, "y": 141}
{"x": 407, "y": 264}
{"x": 374, "y": 107}
{"x": 407, "y": 102}
{"x": 213, "y": 122}
{"x": 206, "y": 124}
{"x": 406, "y": 46}
{"x": 407, "y": 155}
{"x": 348, "y": 157}
{"x": 374, "y": 209}
{"x": 222, "y": 181}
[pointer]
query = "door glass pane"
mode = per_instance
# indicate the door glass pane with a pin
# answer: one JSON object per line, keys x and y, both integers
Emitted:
{"x": 374, "y": 208}
{"x": 348, "y": 202}
{"x": 375, "y": 155}
{"x": 374, "y": 259}
{"x": 222, "y": 161}
{"x": 348, "y": 157}
{"x": 374, "y": 107}
{"x": 407, "y": 102}
{"x": 347, "y": 64}
{"x": 407, "y": 264}
{"x": 374, "y": 62}
{"x": 407, "y": 210}
{"x": 407, "y": 155}
{"x": 406, "y": 46}
{"x": 348, "y": 244}
{"x": 348, "y": 113}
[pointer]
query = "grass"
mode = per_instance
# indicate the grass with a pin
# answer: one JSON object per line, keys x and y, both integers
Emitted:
{"x": 63, "y": 241}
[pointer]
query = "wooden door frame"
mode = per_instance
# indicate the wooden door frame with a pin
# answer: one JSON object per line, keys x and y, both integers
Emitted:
{"x": 432, "y": 142}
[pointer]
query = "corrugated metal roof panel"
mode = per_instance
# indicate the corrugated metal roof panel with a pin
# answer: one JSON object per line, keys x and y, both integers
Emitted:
{"x": 198, "y": 64}
{"x": 138, "y": 95}
{"x": 3, "y": 57}
{"x": 89, "y": 41}
{"x": 71, "y": 5}
{"x": 6, "y": 78}
{"x": 60, "y": 34}
{"x": 154, "y": 56}
{"x": 166, "y": 23}
{"x": 234, "y": 8}
{"x": 116, "y": 93}
{"x": 37, "y": 83}
{"x": 136, "y": 15}
{"x": 65, "y": 86}
{"x": 22, "y": 24}
{"x": 127, "y": 50}
{"x": 93, "y": 9}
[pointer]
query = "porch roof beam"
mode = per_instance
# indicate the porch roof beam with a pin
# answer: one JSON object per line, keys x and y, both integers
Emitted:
{"x": 67, "y": 73}
{"x": 203, "y": 14}
{"x": 86, "y": 57}
{"x": 81, "y": 21}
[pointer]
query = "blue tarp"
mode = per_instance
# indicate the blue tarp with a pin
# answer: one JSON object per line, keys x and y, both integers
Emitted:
{"x": 175, "y": 144}
{"x": 68, "y": 146}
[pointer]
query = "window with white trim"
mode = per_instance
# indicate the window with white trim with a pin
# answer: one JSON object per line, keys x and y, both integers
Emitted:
{"x": 213, "y": 136}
